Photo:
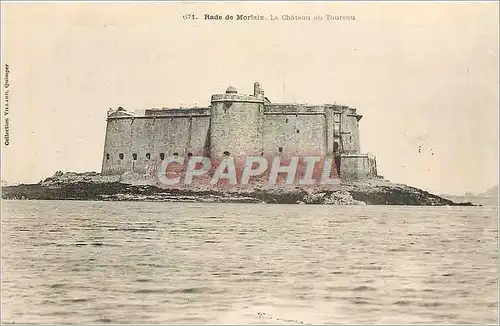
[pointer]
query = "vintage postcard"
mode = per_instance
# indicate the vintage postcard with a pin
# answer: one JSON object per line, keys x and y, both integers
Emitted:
{"x": 250, "y": 163}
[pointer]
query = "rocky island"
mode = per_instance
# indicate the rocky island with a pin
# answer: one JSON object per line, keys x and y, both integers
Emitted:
{"x": 130, "y": 187}
{"x": 249, "y": 128}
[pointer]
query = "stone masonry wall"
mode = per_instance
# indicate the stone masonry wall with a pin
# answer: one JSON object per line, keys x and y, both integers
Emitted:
{"x": 351, "y": 140}
{"x": 296, "y": 134}
{"x": 355, "y": 167}
{"x": 238, "y": 124}
{"x": 167, "y": 135}
{"x": 236, "y": 127}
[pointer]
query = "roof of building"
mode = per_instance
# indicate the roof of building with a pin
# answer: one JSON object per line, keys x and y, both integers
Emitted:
{"x": 231, "y": 90}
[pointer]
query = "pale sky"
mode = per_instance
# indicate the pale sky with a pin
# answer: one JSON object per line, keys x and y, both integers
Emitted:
{"x": 422, "y": 74}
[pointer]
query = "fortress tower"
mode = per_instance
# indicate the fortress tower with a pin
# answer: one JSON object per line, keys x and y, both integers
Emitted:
{"x": 236, "y": 124}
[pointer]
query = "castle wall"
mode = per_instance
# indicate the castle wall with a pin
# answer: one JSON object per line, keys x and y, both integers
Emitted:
{"x": 351, "y": 144}
{"x": 240, "y": 125}
{"x": 235, "y": 126}
{"x": 329, "y": 130}
{"x": 155, "y": 135}
{"x": 118, "y": 134}
{"x": 355, "y": 167}
{"x": 296, "y": 134}
{"x": 358, "y": 166}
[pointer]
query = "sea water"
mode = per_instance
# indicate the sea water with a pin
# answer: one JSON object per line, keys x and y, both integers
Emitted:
{"x": 142, "y": 262}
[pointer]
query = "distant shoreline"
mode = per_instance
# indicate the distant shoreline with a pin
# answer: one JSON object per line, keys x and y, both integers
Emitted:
{"x": 476, "y": 200}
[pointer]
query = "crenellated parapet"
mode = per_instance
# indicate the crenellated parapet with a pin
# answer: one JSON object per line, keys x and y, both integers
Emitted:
{"x": 177, "y": 112}
{"x": 237, "y": 98}
{"x": 276, "y": 108}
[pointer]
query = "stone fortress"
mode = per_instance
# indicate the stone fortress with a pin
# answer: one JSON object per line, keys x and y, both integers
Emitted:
{"x": 237, "y": 125}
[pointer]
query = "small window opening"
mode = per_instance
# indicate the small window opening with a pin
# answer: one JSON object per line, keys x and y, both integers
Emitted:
{"x": 226, "y": 153}
{"x": 335, "y": 147}
{"x": 298, "y": 131}
{"x": 107, "y": 156}
{"x": 176, "y": 154}
{"x": 286, "y": 120}
{"x": 148, "y": 156}
{"x": 162, "y": 156}
{"x": 280, "y": 149}
{"x": 190, "y": 155}
{"x": 120, "y": 156}
{"x": 134, "y": 156}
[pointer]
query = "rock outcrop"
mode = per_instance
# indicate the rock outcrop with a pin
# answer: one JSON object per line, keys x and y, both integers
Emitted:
{"x": 93, "y": 186}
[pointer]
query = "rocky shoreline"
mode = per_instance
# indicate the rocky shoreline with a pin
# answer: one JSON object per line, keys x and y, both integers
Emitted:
{"x": 93, "y": 186}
